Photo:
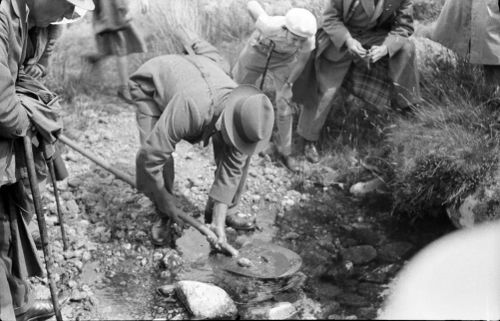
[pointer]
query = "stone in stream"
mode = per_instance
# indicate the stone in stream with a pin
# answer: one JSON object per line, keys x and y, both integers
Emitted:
{"x": 205, "y": 301}
{"x": 360, "y": 254}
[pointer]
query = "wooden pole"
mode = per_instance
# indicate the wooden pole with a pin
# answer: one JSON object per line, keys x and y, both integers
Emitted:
{"x": 30, "y": 164}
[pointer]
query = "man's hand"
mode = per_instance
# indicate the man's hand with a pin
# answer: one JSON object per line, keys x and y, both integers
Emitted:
{"x": 356, "y": 48}
{"x": 285, "y": 93}
{"x": 36, "y": 71}
{"x": 377, "y": 52}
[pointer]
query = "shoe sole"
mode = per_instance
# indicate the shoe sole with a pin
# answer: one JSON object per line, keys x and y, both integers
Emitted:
{"x": 42, "y": 317}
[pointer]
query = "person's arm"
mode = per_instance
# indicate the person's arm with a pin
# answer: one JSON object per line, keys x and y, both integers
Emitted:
{"x": 402, "y": 28}
{"x": 255, "y": 10}
{"x": 144, "y": 6}
{"x": 155, "y": 158}
{"x": 14, "y": 121}
{"x": 333, "y": 25}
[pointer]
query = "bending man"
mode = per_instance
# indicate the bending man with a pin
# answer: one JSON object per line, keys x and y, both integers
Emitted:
{"x": 191, "y": 98}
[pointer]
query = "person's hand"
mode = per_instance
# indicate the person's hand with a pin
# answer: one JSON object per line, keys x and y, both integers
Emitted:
{"x": 285, "y": 93}
{"x": 377, "y": 52}
{"x": 356, "y": 48}
{"x": 36, "y": 71}
{"x": 144, "y": 6}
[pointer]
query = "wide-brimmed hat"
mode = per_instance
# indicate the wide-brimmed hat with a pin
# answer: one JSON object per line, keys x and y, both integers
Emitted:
{"x": 301, "y": 22}
{"x": 248, "y": 119}
{"x": 84, "y": 4}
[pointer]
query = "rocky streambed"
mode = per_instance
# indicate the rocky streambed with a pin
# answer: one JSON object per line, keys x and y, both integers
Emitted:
{"x": 351, "y": 247}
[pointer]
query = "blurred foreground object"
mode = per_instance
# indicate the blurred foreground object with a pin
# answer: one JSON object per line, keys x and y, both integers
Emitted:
{"x": 456, "y": 277}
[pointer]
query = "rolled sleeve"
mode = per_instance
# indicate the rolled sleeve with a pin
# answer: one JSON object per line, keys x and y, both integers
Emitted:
{"x": 14, "y": 120}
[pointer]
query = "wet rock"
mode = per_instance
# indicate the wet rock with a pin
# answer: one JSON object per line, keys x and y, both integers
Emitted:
{"x": 78, "y": 296}
{"x": 167, "y": 289}
{"x": 205, "y": 301}
{"x": 74, "y": 182}
{"x": 72, "y": 208}
{"x": 291, "y": 236}
{"x": 281, "y": 311}
{"x": 367, "y": 235}
{"x": 381, "y": 274}
{"x": 395, "y": 252}
{"x": 362, "y": 189}
{"x": 353, "y": 300}
{"x": 360, "y": 254}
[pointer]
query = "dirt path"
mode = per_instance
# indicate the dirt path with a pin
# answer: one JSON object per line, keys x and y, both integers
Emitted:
{"x": 350, "y": 249}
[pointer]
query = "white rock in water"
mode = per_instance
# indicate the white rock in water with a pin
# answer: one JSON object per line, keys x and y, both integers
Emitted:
{"x": 205, "y": 301}
{"x": 362, "y": 188}
{"x": 281, "y": 311}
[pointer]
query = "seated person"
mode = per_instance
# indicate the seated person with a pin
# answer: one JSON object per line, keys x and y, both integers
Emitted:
{"x": 362, "y": 45}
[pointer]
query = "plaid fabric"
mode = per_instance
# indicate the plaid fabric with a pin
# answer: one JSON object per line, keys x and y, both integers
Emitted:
{"x": 371, "y": 83}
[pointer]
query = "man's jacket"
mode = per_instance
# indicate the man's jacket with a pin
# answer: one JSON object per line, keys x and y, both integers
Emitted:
{"x": 395, "y": 23}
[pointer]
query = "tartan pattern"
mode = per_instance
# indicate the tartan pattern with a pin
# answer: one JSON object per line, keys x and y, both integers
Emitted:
{"x": 370, "y": 83}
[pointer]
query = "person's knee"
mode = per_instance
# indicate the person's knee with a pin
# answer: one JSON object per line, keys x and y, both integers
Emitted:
{"x": 408, "y": 48}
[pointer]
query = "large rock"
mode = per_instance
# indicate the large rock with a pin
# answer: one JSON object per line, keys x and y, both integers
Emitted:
{"x": 205, "y": 301}
{"x": 478, "y": 207}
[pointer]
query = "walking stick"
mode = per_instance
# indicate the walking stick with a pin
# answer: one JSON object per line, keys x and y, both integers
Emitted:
{"x": 50, "y": 164}
{"x": 30, "y": 163}
{"x": 269, "y": 54}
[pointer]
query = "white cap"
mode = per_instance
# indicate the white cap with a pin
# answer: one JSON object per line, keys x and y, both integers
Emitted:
{"x": 84, "y": 4}
{"x": 301, "y": 22}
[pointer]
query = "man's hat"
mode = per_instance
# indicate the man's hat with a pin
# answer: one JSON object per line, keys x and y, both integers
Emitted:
{"x": 248, "y": 119}
{"x": 301, "y": 22}
{"x": 84, "y": 4}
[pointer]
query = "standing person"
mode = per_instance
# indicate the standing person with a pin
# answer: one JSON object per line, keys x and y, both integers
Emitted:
{"x": 18, "y": 257}
{"x": 362, "y": 45}
{"x": 41, "y": 44}
{"x": 287, "y": 42}
{"x": 475, "y": 36}
{"x": 192, "y": 98}
{"x": 117, "y": 35}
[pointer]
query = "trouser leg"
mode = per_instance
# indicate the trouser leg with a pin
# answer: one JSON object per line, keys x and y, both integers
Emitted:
{"x": 313, "y": 118}
{"x": 14, "y": 291}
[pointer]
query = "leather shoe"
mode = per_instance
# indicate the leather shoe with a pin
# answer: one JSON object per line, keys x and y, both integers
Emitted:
{"x": 41, "y": 310}
{"x": 290, "y": 162}
{"x": 124, "y": 93}
{"x": 311, "y": 153}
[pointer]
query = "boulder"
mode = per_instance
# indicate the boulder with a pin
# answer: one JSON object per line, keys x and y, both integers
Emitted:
{"x": 205, "y": 301}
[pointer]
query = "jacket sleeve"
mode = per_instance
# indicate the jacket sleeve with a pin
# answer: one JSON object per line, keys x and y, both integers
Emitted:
{"x": 401, "y": 27}
{"x": 229, "y": 175}
{"x": 14, "y": 120}
{"x": 54, "y": 32}
{"x": 177, "y": 121}
{"x": 333, "y": 23}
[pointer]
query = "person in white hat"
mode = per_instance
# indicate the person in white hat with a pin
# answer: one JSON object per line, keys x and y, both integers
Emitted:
{"x": 18, "y": 256}
{"x": 192, "y": 98}
{"x": 282, "y": 44}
